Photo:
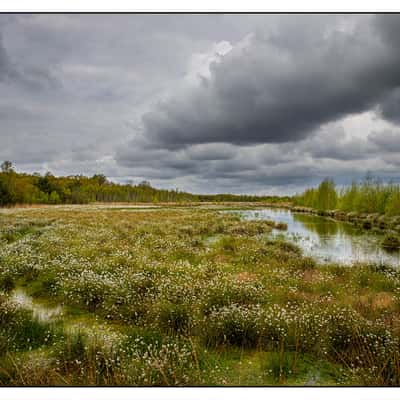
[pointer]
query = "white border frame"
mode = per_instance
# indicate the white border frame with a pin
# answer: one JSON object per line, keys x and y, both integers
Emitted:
{"x": 228, "y": 6}
{"x": 272, "y": 393}
{"x": 303, "y": 6}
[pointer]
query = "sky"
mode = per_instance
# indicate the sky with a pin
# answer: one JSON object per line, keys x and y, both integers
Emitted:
{"x": 258, "y": 104}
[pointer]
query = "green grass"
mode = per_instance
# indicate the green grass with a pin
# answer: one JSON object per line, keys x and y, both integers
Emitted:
{"x": 150, "y": 299}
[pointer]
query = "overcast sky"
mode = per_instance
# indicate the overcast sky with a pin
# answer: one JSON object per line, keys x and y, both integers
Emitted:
{"x": 204, "y": 103}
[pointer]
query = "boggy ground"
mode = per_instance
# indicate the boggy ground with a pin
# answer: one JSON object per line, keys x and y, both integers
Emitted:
{"x": 184, "y": 297}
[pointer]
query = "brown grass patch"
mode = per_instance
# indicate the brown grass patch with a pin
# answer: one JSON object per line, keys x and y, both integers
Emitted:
{"x": 383, "y": 301}
{"x": 246, "y": 276}
{"x": 311, "y": 276}
{"x": 220, "y": 258}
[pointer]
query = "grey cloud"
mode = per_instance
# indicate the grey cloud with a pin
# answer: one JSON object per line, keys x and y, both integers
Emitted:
{"x": 390, "y": 106}
{"x": 332, "y": 143}
{"x": 389, "y": 28}
{"x": 353, "y": 149}
{"x": 211, "y": 151}
{"x": 387, "y": 140}
{"x": 281, "y": 88}
{"x": 36, "y": 78}
{"x": 332, "y": 151}
{"x": 394, "y": 160}
{"x": 111, "y": 94}
{"x": 7, "y": 69}
{"x": 29, "y": 77}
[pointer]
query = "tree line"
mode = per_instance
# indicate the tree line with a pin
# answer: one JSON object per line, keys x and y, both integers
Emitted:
{"x": 370, "y": 195}
{"x": 23, "y": 188}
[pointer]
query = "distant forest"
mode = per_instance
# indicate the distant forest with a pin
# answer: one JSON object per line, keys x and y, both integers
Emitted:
{"x": 22, "y": 188}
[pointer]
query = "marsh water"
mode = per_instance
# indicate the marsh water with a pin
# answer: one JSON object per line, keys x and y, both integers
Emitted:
{"x": 40, "y": 311}
{"x": 328, "y": 240}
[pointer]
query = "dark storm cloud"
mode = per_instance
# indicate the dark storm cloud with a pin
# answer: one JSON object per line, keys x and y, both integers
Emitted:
{"x": 206, "y": 103}
{"x": 390, "y": 106}
{"x": 280, "y": 87}
{"x": 211, "y": 151}
{"x": 388, "y": 28}
{"x": 287, "y": 166}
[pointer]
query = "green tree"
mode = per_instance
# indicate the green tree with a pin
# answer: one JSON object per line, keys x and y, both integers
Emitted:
{"x": 393, "y": 204}
{"x": 326, "y": 195}
{"x": 7, "y": 167}
{"x": 100, "y": 179}
{"x": 54, "y": 198}
{"x": 8, "y": 192}
{"x": 348, "y": 197}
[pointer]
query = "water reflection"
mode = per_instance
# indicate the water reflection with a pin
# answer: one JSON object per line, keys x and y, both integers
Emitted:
{"x": 41, "y": 312}
{"x": 328, "y": 240}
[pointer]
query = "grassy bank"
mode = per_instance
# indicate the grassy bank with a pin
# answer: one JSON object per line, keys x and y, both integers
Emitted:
{"x": 186, "y": 297}
{"x": 370, "y": 204}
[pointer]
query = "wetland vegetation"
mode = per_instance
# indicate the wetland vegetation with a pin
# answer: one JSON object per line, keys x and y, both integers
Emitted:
{"x": 369, "y": 196}
{"x": 99, "y": 295}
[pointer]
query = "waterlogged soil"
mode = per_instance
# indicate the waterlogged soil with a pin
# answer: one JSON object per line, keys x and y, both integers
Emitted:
{"x": 327, "y": 240}
{"x": 41, "y": 311}
{"x": 73, "y": 320}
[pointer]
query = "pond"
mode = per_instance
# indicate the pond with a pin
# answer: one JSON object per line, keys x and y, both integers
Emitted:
{"x": 328, "y": 240}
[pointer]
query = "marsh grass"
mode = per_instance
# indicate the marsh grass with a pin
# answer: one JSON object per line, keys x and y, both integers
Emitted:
{"x": 173, "y": 318}
{"x": 282, "y": 365}
{"x": 170, "y": 307}
{"x": 7, "y": 282}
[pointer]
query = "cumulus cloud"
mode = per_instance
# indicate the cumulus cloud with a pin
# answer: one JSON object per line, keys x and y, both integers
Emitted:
{"x": 282, "y": 86}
